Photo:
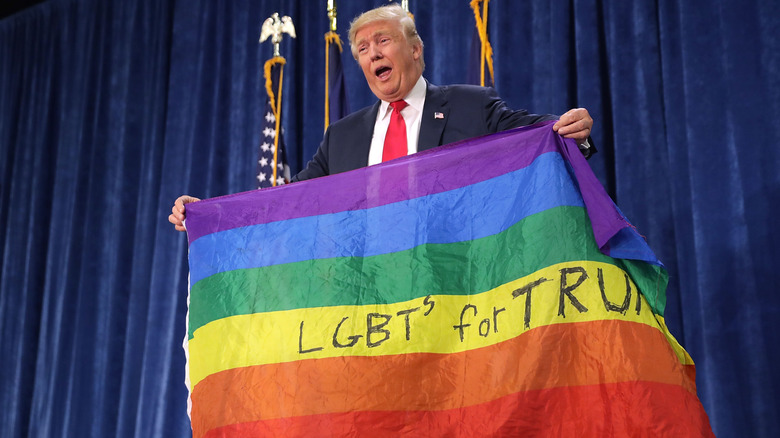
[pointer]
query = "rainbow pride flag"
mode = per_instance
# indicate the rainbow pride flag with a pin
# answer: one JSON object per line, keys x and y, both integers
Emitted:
{"x": 484, "y": 288}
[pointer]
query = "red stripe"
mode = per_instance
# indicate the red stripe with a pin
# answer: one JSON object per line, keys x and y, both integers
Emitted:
{"x": 628, "y": 409}
{"x": 559, "y": 355}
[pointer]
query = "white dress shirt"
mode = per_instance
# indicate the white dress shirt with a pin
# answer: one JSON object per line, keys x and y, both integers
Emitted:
{"x": 412, "y": 115}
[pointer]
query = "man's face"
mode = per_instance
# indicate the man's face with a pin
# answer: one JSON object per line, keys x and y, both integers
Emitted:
{"x": 389, "y": 62}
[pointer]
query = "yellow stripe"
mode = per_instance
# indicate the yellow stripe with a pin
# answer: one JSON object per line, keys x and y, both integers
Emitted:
{"x": 564, "y": 293}
{"x": 682, "y": 355}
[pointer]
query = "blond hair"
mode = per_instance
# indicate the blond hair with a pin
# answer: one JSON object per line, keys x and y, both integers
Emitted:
{"x": 386, "y": 13}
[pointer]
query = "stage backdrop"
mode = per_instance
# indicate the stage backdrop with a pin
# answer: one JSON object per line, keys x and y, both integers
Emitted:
{"x": 110, "y": 109}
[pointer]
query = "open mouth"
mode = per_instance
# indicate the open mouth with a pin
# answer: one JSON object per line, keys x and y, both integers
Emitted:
{"x": 383, "y": 72}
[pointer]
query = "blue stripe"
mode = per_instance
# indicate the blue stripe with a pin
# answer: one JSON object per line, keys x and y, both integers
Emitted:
{"x": 463, "y": 214}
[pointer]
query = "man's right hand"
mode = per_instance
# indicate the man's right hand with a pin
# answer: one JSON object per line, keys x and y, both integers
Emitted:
{"x": 178, "y": 215}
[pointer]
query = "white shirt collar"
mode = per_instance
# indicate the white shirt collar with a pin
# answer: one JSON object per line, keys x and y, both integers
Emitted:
{"x": 415, "y": 99}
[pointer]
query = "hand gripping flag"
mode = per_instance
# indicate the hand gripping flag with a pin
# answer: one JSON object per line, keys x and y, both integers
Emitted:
{"x": 484, "y": 288}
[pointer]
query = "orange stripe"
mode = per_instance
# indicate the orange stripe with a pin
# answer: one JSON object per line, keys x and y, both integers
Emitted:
{"x": 552, "y": 356}
{"x": 632, "y": 409}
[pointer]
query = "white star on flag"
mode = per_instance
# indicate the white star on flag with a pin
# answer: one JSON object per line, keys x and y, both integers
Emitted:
{"x": 269, "y": 117}
{"x": 263, "y": 161}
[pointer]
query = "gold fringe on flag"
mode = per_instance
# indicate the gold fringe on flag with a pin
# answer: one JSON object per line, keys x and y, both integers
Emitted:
{"x": 276, "y": 102}
{"x": 486, "y": 54}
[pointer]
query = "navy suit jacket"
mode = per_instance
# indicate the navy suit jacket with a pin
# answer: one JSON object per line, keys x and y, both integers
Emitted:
{"x": 468, "y": 111}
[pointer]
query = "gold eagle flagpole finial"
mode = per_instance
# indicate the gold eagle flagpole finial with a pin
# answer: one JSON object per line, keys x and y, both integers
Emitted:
{"x": 275, "y": 27}
{"x": 332, "y": 14}
{"x": 405, "y": 7}
{"x": 331, "y": 37}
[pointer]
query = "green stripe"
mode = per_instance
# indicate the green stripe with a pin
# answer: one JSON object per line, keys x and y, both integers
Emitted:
{"x": 557, "y": 235}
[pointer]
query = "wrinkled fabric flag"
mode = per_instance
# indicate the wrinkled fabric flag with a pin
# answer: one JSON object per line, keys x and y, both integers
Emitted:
{"x": 484, "y": 288}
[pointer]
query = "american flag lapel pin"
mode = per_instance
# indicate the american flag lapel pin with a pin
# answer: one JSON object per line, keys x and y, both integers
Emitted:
{"x": 438, "y": 115}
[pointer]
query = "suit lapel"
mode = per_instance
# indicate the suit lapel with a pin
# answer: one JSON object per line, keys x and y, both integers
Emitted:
{"x": 363, "y": 132}
{"x": 434, "y": 118}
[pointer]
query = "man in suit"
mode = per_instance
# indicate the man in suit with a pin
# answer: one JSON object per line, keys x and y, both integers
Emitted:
{"x": 412, "y": 115}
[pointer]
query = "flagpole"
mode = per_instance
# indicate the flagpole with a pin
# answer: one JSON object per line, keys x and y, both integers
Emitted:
{"x": 484, "y": 42}
{"x": 274, "y": 27}
{"x": 330, "y": 37}
{"x": 278, "y": 111}
{"x": 332, "y": 14}
{"x": 405, "y": 7}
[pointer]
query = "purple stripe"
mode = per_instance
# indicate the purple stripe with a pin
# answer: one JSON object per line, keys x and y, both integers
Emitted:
{"x": 437, "y": 170}
{"x": 434, "y": 171}
{"x": 605, "y": 217}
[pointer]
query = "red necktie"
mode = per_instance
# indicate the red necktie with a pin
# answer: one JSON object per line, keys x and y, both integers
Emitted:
{"x": 395, "y": 139}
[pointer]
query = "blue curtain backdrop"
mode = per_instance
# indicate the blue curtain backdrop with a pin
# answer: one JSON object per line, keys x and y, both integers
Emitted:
{"x": 110, "y": 109}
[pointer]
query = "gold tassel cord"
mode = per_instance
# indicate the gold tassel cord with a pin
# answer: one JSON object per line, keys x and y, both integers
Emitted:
{"x": 276, "y": 103}
{"x": 486, "y": 53}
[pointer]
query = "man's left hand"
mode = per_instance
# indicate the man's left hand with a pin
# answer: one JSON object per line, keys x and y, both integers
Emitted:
{"x": 576, "y": 124}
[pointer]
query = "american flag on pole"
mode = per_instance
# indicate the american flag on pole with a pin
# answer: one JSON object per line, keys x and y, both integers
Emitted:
{"x": 336, "y": 105}
{"x": 272, "y": 168}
